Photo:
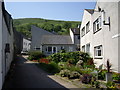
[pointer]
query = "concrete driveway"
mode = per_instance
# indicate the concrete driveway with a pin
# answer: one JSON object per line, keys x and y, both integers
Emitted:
{"x": 27, "y": 75}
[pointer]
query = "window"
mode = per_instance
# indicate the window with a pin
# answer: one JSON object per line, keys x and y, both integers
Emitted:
{"x": 79, "y": 37}
{"x": 98, "y": 51}
{"x": 97, "y": 25}
{"x": 70, "y": 48}
{"x": 7, "y": 48}
{"x": 54, "y": 50}
{"x": 83, "y": 48}
{"x": 62, "y": 47}
{"x": 49, "y": 49}
{"x": 88, "y": 48}
{"x": 87, "y": 27}
{"x": 83, "y": 31}
{"x": 37, "y": 48}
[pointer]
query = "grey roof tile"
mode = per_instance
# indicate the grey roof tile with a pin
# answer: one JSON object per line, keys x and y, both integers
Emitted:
{"x": 56, "y": 39}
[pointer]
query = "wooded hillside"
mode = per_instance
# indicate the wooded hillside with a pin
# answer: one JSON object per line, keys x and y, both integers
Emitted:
{"x": 61, "y": 27}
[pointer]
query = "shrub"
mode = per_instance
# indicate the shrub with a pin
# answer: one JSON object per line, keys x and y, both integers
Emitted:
{"x": 44, "y": 60}
{"x": 101, "y": 74}
{"x": 97, "y": 84}
{"x": 116, "y": 76}
{"x": 110, "y": 84}
{"x": 62, "y": 65}
{"x": 65, "y": 73}
{"x": 53, "y": 67}
{"x": 35, "y": 55}
{"x": 74, "y": 57}
{"x": 86, "y": 71}
{"x": 86, "y": 78}
{"x": 74, "y": 75}
{"x": 84, "y": 56}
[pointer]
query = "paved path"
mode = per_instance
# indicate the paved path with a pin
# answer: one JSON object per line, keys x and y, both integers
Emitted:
{"x": 28, "y": 75}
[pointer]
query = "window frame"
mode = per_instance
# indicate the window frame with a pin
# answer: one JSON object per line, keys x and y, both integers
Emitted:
{"x": 83, "y": 34}
{"x": 88, "y": 27}
{"x": 98, "y": 49}
{"x": 87, "y": 48}
{"x": 97, "y": 25}
{"x": 84, "y": 48}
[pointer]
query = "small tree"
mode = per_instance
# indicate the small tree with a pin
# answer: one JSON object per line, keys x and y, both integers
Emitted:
{"x": 108, "y": 65}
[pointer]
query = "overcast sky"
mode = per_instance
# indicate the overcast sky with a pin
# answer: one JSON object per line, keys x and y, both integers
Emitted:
{"x": 68, "y": 11}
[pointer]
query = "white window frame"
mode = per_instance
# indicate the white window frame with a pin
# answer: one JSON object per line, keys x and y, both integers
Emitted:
{"x": 83, "y": 31}
{"x": 88, "y": 51}
{"x": 83, "y": 48}
{"x": 87, "y": 27}
{"x": 53, "y": 48}
{"x": 98, "y": 49}
{"x": 52, "y": 51}
{"x": 97, "y": 24}
{"x": 70, "y": 48}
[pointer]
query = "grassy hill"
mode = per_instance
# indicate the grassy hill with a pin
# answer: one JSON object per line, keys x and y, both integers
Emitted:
{"x": 23, "y": 25}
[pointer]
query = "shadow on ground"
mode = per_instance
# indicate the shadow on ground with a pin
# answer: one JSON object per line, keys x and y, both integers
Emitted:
{"x": 28, "y": 75}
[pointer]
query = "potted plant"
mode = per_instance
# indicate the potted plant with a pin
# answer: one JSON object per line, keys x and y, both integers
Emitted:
{"x": 108, "y": 73}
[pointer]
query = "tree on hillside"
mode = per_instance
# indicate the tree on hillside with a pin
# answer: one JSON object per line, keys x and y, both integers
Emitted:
{"x": 49, "y": 27}
{"x": 57, "y": 28}
{"x": 67, "y": 25}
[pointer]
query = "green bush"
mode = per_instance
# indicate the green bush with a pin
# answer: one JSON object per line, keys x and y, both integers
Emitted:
{"x": 52, "y": 67}
{"x": 116, "y": 76}
{"x": 74, "y": 75}
{"x": 110, "y": 84}
{"x": 35, "y": 55}
{"x": 97, "y": 84}
{"x": 62, "y": 65}
{"x": 64, "y": 73}
{"x": 101, "y": 74}
{"x": 74, "y": 57}
{"x": 86, "y": 71}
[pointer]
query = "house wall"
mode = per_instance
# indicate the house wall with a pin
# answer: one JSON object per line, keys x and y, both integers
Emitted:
{"x": 18, "y": 42}
{"x": 0, "y": 46}
{"x": 119, "y": 37}
{"x": 104, "y": 37}
{"x": 75, "y": 39}
{"x": 5, "y": 37}
{"x": 72, "y": 36}
{"x": 37, "y": 34}
{"x": 88, "y": 37}
{"x": 66, "y": 47}
{"x": 26, "y": 44}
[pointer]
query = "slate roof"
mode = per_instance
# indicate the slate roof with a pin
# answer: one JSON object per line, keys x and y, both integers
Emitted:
{"x": 91, "y": 11}
{"x": 56, "y": 39}
{"x": 76, "y": 31}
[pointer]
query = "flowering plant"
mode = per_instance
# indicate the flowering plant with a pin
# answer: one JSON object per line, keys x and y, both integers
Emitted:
{"x": 43, "y": 60}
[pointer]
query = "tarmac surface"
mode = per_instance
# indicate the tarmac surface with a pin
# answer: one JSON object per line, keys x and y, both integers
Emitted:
{"x": 25, "y": 74}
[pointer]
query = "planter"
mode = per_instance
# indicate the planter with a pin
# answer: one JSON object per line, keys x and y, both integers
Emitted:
{"x": 108, "y": 76}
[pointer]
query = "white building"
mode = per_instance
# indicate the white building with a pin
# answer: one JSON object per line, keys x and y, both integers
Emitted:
{"x": 6, "y": 42}
{"x": 26, "y": 44}
{"x": 50, "y": 43}
{"x": 100, "y": 33}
